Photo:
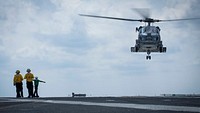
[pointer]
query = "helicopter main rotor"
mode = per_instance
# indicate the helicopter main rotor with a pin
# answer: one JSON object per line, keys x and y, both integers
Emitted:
{"x": 147, "y": 20}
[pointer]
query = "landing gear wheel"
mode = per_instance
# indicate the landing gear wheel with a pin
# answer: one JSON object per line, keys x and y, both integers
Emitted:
{"x": 148, "y": 57}
{"x": 148, "y": 53}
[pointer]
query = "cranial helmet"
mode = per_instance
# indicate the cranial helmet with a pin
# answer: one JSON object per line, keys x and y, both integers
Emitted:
{"x": 28, "y": 70}
{"x": 17, "y": 71}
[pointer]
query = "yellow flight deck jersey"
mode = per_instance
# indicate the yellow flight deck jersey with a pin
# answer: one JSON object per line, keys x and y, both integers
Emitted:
{"x": 18, "y": 78}
{"x": 29, "y": 77}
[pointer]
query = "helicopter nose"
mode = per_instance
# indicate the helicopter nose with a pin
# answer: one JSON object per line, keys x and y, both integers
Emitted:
{"x": 149, "y": 36}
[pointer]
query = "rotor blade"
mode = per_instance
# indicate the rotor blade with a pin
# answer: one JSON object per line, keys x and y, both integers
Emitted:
{"x": 179, "y": 19}
{"x": 143, "y": 12}
{"x": 106, "y": 17}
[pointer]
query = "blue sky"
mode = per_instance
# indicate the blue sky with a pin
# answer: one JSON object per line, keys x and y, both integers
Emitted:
{"x": 92, "y": 56}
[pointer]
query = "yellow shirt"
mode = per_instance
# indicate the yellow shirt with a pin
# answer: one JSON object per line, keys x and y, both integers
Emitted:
{"x": 29, "y": 77}
{"x": 17, "y": 78}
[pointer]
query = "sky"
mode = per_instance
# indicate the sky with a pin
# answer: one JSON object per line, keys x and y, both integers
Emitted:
{"x": 92, "y": 56}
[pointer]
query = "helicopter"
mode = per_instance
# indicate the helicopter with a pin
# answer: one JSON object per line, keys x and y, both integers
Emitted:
{"x": 149, "y": 39}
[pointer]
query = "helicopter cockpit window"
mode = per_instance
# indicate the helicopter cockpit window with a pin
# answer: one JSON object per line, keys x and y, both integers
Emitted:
{"x": 142, "y": 30}
{"x": 150, "y": 29}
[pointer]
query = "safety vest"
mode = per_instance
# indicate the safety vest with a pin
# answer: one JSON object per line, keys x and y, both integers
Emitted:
{"x": 36, "y": 82}
{"x": 18, "y": 78}
{"x": 29, "y": 77}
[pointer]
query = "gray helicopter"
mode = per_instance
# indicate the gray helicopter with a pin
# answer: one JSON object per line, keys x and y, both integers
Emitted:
{"x": 149, "y": 39}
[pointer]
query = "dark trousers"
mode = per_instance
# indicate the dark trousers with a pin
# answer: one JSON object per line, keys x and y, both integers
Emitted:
{"x": 19, "y": 90}
{"x": 30, "y": 88}
{"x": 36, "y": 92}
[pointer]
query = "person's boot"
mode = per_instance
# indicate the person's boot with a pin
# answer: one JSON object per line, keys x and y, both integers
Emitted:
{"x": 18, "y": 95}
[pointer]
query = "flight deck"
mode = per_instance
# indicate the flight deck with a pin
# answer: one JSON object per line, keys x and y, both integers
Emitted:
{"x": 100, "y": 105}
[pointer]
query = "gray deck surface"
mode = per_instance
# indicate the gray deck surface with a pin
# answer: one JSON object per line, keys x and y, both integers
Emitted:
{"x": 100, "y": 105}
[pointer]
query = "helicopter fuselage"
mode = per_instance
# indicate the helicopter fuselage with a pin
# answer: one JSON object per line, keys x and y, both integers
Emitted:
{"x": 149, "y": 40}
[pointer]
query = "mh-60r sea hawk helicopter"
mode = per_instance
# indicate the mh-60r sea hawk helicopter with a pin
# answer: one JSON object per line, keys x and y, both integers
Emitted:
{"x": 149, "y": 39}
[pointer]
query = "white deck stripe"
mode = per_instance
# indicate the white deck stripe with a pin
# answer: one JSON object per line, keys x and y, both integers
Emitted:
{"x": 122, "y": 105}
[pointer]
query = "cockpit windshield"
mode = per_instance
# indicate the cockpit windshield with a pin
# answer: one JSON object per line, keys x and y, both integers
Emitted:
{"x": 149, "y": 29}
{"x": 149, "y": 33}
